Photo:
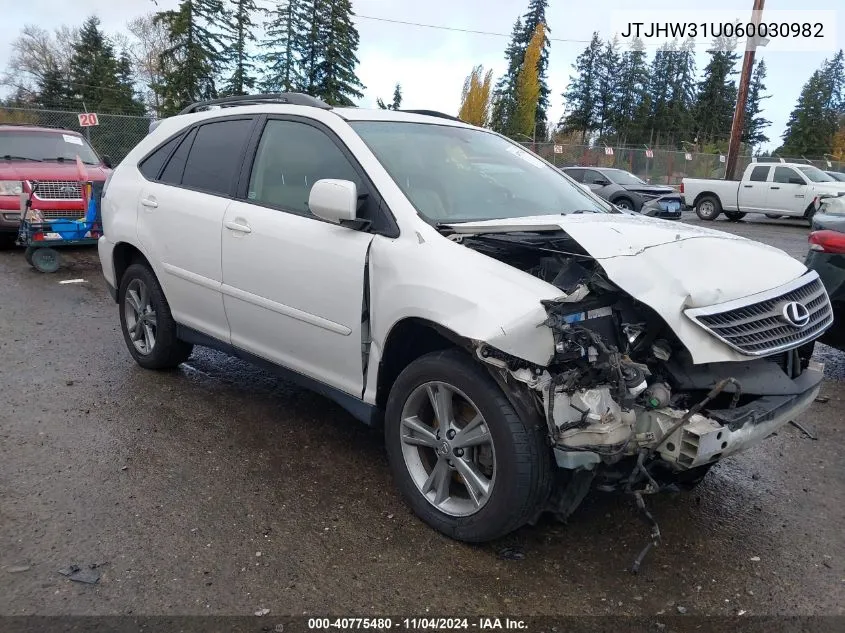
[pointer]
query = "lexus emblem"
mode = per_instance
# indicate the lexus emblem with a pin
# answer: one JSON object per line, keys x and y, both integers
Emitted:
{"x": 796, "y": 314}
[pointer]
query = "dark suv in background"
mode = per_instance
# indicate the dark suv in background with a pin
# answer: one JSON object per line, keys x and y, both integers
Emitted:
{"x": 629, "y": 192}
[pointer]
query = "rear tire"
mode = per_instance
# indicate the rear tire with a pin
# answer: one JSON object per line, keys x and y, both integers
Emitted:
{"x": 734, "y": 216}
{"x": 708, "y": 208}
{"x": 145, "y": 320}
{"x": 516, "y": 468}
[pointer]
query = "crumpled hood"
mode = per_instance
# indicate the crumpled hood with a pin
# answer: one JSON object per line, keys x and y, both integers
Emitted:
{"x": 668, "y": 266}
{"x": 707, "y": 266}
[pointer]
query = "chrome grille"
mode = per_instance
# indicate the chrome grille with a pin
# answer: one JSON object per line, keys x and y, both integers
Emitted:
{"x": 58, "y": 190}
{"x": 755, "y": 326}
{"x": 52, "y": 214}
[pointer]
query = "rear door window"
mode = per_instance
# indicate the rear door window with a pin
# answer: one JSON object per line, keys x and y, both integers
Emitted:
{"x": 151, "y": 166}
{"x": 759, "y": 174}
{"x": 172, "y": 174}
{"x": 216, "y": 156}
{"x": 783, "y": 174}
{"x": 576, "y": 174}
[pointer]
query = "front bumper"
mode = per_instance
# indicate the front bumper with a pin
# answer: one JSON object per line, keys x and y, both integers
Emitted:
{"x": 703, "y": 439}
{"x": 723, "y": 432}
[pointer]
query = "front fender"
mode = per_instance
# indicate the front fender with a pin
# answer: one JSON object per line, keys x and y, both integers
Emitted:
{"x": 475, "y": 296}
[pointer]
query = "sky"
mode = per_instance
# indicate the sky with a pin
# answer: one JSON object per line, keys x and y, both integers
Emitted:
{"x": 431, "y": 64}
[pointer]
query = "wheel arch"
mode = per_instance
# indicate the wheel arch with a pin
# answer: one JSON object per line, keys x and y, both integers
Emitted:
{"x": 413, "y": 337}
{"x": 409, "y": 339}
{"x": 124, "y": 255}
{"x": 706, "y": 194}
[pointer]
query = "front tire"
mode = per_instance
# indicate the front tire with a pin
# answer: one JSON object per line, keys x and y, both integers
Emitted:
{"x": 734, "y": 216}
{"x": 462, "y": 458}
{"x": 708, "y": 208}
{"x": 145, "y": 320}
{"x": 624, "y": 203}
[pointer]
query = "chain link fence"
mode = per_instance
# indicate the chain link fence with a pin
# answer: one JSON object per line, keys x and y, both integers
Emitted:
{"x": 658, "y": 166}
{"x": 115, "y": 135}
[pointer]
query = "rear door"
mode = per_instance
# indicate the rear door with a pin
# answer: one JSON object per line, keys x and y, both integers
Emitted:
{"x": 787, "y": 192}
{"x": 180, "y": 216}
{"x": 293, "y": 285}
{"x": 754, "y": 191}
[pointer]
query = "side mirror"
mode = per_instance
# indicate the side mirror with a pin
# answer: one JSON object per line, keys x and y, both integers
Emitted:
{"x": 602, "y": 183}
{"x": 107, "y": 161}
{"x": 796, "y": 181}
{"x": 335, "y": 201}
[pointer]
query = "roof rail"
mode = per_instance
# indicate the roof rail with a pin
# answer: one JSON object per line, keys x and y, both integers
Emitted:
{"x": 291, "y": 98}
{"x": 440, "y": 115}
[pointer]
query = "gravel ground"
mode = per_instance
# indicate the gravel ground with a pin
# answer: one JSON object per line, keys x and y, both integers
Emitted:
{"x": 218, "y": 489}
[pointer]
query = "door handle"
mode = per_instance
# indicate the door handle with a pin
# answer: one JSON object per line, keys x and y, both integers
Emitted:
{"x": 149, "y": 202}
{"x": 748, "y": 186}
{"x": 237, "y": 226}
{"x": 774, "y": 187}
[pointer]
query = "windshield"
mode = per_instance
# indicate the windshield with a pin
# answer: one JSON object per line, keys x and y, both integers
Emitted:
{"x": 815, "y": 174}
{"x": 45, "y": 146}
{"x": 621, "y": 177}
{"x": 454, "y": 174}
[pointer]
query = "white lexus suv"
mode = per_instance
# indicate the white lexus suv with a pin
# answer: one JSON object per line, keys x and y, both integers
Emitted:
{"x": 521, "y": 340}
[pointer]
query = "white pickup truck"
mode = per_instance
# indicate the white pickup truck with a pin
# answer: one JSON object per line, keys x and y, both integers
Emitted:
{"x": 776, "y": 189}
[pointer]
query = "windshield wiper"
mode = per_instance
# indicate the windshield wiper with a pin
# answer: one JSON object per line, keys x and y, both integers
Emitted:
{"x": 13, "y": 157}
{"x": 62, "y": 159}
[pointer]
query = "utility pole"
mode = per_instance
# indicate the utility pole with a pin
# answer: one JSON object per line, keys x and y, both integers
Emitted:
{"x": 742, "y": 96}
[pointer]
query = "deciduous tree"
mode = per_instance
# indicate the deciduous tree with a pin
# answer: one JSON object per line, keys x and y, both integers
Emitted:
{"x": 475, "y": 97}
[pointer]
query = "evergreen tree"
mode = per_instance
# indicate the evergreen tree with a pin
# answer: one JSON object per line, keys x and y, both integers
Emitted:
{"x": 52, "y": 89}
{"x": 397, "y": 100}
{"x": 813, "y": 123}
{"x": 534, "y": 17}
{"x": 631, "y": 94}
{"x": 504, "y": 93}
{"x": 658, "y": 116}
{"x": 607, "y": 88}
{"x": 236, "y": 55}
{"x": 397, "y": 97}
{"x": 284, "y": 44}
{"x": 93, "y": 66}
{"x": 313, "y": 45}
{"x": 193, "y": 60}
{"x": 336, "y": 82}
{"x": 680, "y": 122}
{"x": 755, "y": 123}
{"x": 99, "y": 80}
{"x": 717, "y": 93}
{"x": 580, "y": 95}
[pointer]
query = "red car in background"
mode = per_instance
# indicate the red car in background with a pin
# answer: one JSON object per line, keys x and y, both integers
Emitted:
{"x": 48, "y": 156}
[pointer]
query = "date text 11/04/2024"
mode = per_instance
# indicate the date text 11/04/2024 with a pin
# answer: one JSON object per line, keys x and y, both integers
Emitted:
{"x": 422, "y": 624}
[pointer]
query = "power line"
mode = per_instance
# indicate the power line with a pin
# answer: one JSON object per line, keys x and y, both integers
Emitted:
{"x": 441, "y": 27}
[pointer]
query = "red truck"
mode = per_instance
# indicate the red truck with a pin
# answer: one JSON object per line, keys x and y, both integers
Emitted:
{"x": 48, "y": 156}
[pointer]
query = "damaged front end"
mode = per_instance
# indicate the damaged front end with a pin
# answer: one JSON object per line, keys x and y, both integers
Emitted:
{"x": 625, "y": 407}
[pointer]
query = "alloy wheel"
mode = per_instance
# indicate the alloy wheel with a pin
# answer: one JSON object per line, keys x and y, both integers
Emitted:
{"x": 140, "y": 316}
{"x": 448, "y": 449}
